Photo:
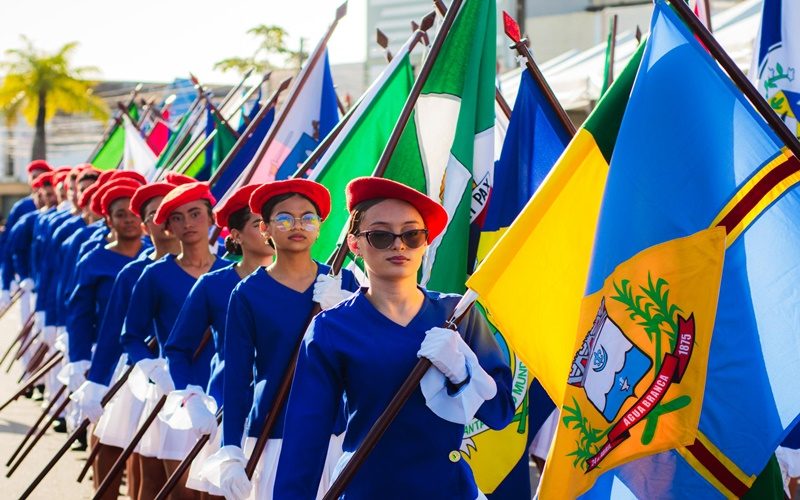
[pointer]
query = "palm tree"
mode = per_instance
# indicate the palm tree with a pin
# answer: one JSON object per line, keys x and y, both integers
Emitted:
{"x": 48, "y": 84}
{"x": 272, "y": 42}
{"x": 10, "y": 114}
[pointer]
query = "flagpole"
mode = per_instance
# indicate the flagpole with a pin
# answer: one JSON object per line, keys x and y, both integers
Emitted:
{"x": 213, "y": 108}
{"x": 250, "y": 93}
{"x": 707, "y": 3}
{"x": 498, "y": 96}
{"x": 319, "y": 151}
{"x": 249, "y": 131}
{"x": 612, "y": 48}
{"x": 236, "y": 89}
{"x": 175, "y": 153}
{"x": 513, "y": 32}
{"x": 315, "y": 57}
{"x": 403, "y": 394}
{"x": 736, "y": 74}
{"x": 107, "y": 133}
{"x": 383, "y": 42}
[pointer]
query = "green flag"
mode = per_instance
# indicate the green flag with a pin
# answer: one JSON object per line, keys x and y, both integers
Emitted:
{"x": 110, "y": 153}
{"x": 223, "y": 143}
{"x": 451, "y": 138}
{"x": 359, "y": 145}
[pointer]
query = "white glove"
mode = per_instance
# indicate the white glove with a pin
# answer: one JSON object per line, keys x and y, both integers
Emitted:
{"x": 232, "y": 476}
{"x": 14, "y": 287}
{"x": 5, "y": 299}
{"x": 157, "y": 371}
{"x": 38, "y": 320}
{"x": 441, "y": 346}
{"x": 49, "y": 335}
{"x": 328, "y": 291}
{"x": 203, "y": 420}
{"x": 88, "y": 397}
{"x": 26, "y": 285}
{"x": 73, "y": 375}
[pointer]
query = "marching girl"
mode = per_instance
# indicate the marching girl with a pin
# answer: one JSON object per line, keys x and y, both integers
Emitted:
{"x": 115, "y": 424}
{"x": 157, "y": 298}
{"x": 206, "y": 307}
{"x": 365, "y": 348}
{"x": 267, "y": 315}
{"x": 96, "y": 273}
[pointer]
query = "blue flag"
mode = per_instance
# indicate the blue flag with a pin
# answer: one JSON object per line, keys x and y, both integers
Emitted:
{"x": 693, "y": 156}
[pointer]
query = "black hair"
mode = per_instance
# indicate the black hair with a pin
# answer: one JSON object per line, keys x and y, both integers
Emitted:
{"x": 232, "y": 247}
{"x": 269, "y": 206}
{"x": 239, "y": 218}
{"x": 236, "y": 220}
{"x": 357, "y": 214}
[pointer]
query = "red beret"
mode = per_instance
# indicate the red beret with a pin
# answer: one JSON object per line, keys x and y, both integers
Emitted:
{"x": 96, "y": 205}
{"x": 182, "y": 195}
{"x": 315, "y": 192}
{"x": 147, "y": 193}
{"x": 129, "y": 174}
{"x": 89, "y": 173}
{"x": 40, "y": 181}
{"x": 369, "y": 188}
{"x": 105, "y": 176}
{"x": 60, "y": 174}
{"x": 87, "y": 195}
{"x": 114, "y": 193}
{"x": 178, "y": 179}
{"x": 39, "y": 165}
{"x": 237, "y": 201}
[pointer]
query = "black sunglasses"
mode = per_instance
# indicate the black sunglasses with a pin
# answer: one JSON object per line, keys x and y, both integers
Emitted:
{"x": 381, "y": 240}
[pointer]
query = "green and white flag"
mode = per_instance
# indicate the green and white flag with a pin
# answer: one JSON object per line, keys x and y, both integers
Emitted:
{"x": 451, "y": 138}
{"x": 357, "y": 148}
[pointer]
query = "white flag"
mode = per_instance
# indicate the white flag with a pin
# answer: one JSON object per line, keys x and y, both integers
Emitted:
{"x": 137, "y": 155}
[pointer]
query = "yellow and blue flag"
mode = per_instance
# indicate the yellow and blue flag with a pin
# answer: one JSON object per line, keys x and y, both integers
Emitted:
{"x": 698, "y": 179}
{"x": 534, "y": 141}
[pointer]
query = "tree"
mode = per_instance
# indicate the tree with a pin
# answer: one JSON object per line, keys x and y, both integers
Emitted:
{"x": 10, "y": 114}
{"x": 272, "y": 43}
{"x": 48, "y": 84}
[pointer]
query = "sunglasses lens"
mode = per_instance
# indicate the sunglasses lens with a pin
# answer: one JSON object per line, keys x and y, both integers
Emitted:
{"x": 380, "y": 240}
{"x": 311, "y": 222}
{"x": 284, "y": 221}
{"x": 414, "y": 238}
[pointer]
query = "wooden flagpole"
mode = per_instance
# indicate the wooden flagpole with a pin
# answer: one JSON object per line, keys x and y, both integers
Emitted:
{"x": 112, "y": 126}
{"x": 612, "y": 49}
{"x": 738, "y": 77}
{"x": 308, "y": 164}
{"x": 513, "y": 32}
{"x": 39, "y": 435}
{"x": 36, "y": 424}
{"x": 287, "y": 107}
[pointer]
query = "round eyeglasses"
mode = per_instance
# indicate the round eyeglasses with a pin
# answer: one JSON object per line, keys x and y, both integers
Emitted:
{"x": 286, "y": 221}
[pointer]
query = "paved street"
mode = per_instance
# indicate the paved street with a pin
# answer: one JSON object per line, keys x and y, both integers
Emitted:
{"x": 15, "y": 421}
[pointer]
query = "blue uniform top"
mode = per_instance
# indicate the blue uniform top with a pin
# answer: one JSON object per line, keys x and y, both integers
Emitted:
{"x": 69, "y": 262}
{"x": 21, "y": 207}
{"x": 96, "y": 272}
{"x": 265, "y": 321}
{"x": 20, "y": 246}
{"x": 354, "y": 349}
{"x": 156, "y": 301}
{"x": 205, "y": 307}
{"x": 40, "y": 226}
{"x": 108, "y": 349}
{"x": 9, "y": 272}
{"x": 47, "y": 265}
{"x": 54, "y": 266}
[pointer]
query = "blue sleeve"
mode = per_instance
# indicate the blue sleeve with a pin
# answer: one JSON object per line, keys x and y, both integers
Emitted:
{"x": 190, "y": 326}
{"x": 139, "y": 319}
{"x": 82, "y": 315}
{"x": 21, "y": 251}
{"x": 498, "y": 411}
{"x": 310, "y": 417}
{"x": 349, "y": 281}
{"x": 239, "y": 356}
{"x": 8, "y": 272}
{"x": 19, "y": 209}
{"x": 109, "y": 349}
{"x": 35, "y": 249}
{"x": 68, "y": 264}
